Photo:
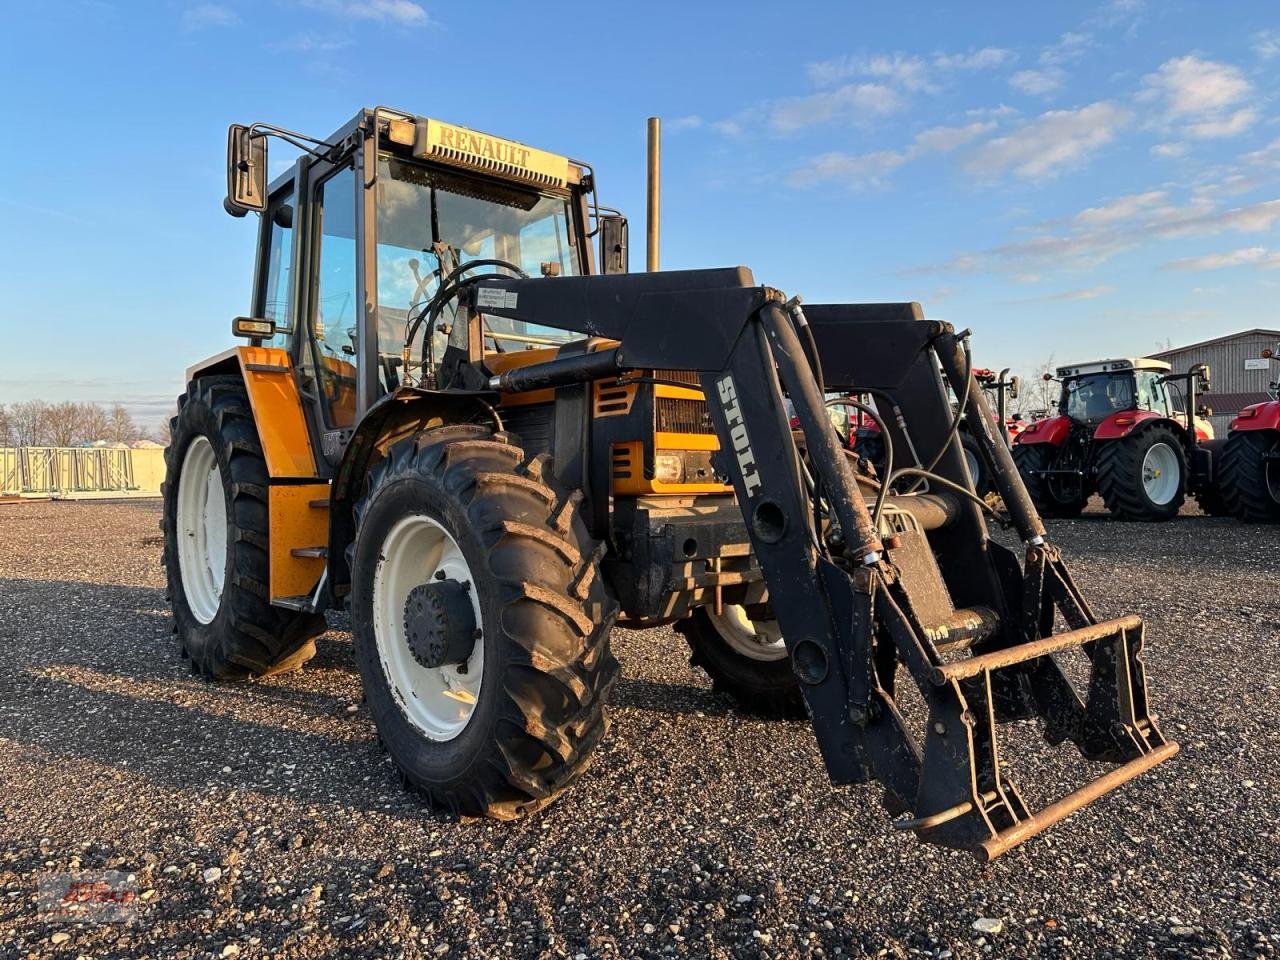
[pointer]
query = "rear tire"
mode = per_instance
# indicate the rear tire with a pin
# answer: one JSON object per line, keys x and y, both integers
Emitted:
{"x": 1250, "y": 482}
{"x": 539, "y": 669}
{"x": 215, "y": 528}
{"x": 1135, "y": 475}
{"x": 1030, "y": 459}
{"x": 761, "y": 682}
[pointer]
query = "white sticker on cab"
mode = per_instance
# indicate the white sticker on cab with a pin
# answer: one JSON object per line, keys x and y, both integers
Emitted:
{"x": 493, "y": 297}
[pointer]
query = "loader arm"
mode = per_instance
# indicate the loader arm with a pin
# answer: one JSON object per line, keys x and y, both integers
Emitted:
{"x": 855, "y": 596}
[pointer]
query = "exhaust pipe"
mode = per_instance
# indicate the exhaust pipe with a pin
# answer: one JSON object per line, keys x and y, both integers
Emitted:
{"x": 655, "y": 191}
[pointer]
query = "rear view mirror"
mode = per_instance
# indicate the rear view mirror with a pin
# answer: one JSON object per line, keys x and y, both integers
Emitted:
{"x": 246, "y": 171}
{"x": 1014, "y": 384}
{"x": 1202, "y": 374}
{"x": 613, "y": 245}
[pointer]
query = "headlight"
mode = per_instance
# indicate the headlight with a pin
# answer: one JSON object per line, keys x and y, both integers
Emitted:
{"x": 668, "y": 467}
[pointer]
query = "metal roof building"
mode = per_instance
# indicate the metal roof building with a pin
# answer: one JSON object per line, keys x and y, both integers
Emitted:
{"x": 1240, "y": 375}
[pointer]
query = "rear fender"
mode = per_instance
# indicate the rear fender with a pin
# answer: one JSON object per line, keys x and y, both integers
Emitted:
{"x": 1124, "y": 422}
{"x": 392, "y": 418}
{"x": 1054, "y": 430}
{"x": 1258, "y": 416}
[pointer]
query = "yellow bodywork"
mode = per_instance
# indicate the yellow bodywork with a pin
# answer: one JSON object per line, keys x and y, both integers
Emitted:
{"x": 299, "y": 514}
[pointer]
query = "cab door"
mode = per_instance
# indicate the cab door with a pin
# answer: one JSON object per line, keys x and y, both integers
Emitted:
{"x": 331, "y": 308}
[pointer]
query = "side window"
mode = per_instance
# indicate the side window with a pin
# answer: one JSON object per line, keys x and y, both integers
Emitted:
{"x": 546, "y": 241}
{"x": 334, "y": 307}
{"x": 276, "y": 300}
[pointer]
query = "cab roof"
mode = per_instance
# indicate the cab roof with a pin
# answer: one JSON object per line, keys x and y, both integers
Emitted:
{"x": 1113, "y": 366}
{"x": 432, "y": 140}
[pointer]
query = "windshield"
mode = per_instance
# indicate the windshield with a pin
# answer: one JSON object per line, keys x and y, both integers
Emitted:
{"x": 1097, "y": 395}
{"x": 430, "y": 222}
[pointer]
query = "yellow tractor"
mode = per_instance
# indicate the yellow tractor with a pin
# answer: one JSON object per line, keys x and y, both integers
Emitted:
{"x": 493, "y": 447}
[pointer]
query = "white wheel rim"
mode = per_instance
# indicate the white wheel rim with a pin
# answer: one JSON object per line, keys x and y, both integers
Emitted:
{"x": 1160, "y": 473}
{"x": 971, "y": 461}
{"x": 757, "y": 639}
{"x": 439, "y": 701}
{"x": 202, "y": 530}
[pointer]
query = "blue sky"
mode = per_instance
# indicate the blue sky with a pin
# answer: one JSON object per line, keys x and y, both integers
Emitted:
{"x": 1074, "y": 179}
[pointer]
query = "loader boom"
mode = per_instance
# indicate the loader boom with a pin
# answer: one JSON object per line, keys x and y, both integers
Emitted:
{"x": 856, "y": 598}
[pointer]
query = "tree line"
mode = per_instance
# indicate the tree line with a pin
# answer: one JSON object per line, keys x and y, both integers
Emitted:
{"x": 36, "y": 423}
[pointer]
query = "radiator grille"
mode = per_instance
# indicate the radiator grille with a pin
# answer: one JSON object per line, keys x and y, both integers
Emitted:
{"x": 681, "y": 416}
{"x": 679, "y": 376}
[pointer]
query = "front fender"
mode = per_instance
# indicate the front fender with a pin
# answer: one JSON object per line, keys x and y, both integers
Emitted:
{"x": 1054, "y": 430}
{"x": 1258, "y": 416}
{"x": 394, "y": 417}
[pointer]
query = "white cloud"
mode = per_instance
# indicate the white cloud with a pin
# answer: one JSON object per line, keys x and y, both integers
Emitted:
{"x": 1266, "y": 44}
{"x": 871, "y": 169}
{"x": 909, "y": 72}
{"x": 404, "y": 12}
{"x": 856, "y": 102}
{"x": 1070, "y": 47}
{"x": 1051, "y": 143}
{"x": 1168, "y": 150}
{"x": 1088, "y": 293}
{"x": 1225, "y": 126}
{"x": 1118, "y": 12}
{"x": 1097, "y": 234}
{"x": 1245, "y": 256}
{"x": 681, "y": 124}
{"x": 946, "y": 139}
{"x": 1268, "y": 155}
{"x": 1253, "y": 218}
{"x": 984, "y": 59}
{"x": 1121, "y": 208}
{"x": 1191, "y": 86}
{"x": 1038, "y": 83}
{"x": 855, "y": 170}
{"x": 1201, "y": 95}
{"x": 206, "y": 15}
{"x": 311, "y": 43}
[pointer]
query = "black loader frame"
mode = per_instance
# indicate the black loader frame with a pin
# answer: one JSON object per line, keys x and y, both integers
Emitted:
{"x": 853, "y": 593}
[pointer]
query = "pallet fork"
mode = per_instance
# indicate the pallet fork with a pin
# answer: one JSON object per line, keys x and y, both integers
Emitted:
{"x": 858, "y": 589}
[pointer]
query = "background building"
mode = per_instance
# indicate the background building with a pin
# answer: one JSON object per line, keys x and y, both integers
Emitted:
{"x": 1239, "y": 376}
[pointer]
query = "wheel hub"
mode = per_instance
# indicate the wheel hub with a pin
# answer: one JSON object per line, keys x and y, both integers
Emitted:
{"x": 440, "y": 623}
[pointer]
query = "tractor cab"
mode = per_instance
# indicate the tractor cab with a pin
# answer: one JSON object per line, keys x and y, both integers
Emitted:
{"x": 1092, "y": 393}
{"x": 367, "y": 234}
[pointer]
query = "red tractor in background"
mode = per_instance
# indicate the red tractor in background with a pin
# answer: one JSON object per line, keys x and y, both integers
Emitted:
{"x": 863, "y": 433}
{"x": 1249, "y": 474}
{"x": 1119, "y": 433}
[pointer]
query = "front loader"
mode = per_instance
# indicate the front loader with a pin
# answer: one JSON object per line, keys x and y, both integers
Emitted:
{"x": 493, "y": 455}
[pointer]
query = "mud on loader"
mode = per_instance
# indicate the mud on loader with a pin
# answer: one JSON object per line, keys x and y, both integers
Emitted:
{"x": 450, "y": 422}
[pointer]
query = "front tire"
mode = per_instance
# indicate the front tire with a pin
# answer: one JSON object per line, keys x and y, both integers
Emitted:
{"x": 977, "y": 467}
{"x": 215, "y": 528}
{"x": 513, "y": 718}
{"x": 746, "y": 661}
{"x": 1250, "y": 475}
{"x": 1144, "y": 475}
{"x": 1049, "y": 498}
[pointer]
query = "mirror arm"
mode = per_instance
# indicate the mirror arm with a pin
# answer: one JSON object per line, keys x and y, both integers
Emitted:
{"x": 293, "y": 138}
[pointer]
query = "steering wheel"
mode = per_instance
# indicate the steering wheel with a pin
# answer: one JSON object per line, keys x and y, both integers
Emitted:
{"x": 450, "y": 287}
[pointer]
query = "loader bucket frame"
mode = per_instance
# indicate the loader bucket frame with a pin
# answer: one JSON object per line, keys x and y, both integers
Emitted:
{"x": 854, "y": 606}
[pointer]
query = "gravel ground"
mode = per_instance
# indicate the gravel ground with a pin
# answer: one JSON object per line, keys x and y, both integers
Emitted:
{"x": 261, "y": 819}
